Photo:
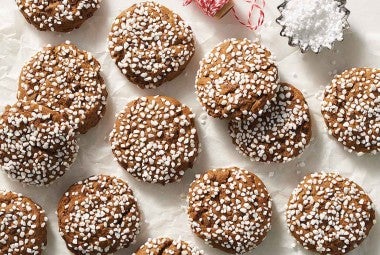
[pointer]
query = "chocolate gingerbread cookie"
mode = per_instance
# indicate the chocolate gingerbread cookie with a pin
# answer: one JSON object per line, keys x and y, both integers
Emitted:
{"x": 155, "y": 139}
{"x": 37, "y": 145}
{"x": 230, "y": 209}
{"x": 351, "y": 109}
{"x": 166, "y": 246}
{"x": 57, "y": 15}
{"x": 238, "y": 77}
{"x": 98, "y": 215}
{"x": 329, "y": 214}
{"x": 280, "y": 132}
{"x": 150, "y": 44}
{"x": 22, "y": 225}
{"x": 66, "y": 79}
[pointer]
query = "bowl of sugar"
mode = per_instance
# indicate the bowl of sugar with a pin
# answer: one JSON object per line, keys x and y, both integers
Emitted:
{"x": 313, "y": 25}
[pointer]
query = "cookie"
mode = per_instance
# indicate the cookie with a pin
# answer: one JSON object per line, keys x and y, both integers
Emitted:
{"x": 22, "y": 225}
{"x": 280, "y": 132}
{"x": 155, "y": 139}
{"x": 98, "y": 215}
{"x": 351, "y": 109}
{"x": 166, "y": 246}
{"x": 236, "y": 78}
{"x": 58, "y": 16}
{"x": 230, "y": 208}
{"x": 36, "y": 144}
{"x": 67, "y": 80}
{"x": 329, "y": 214}
{"x": 150, "y": 44}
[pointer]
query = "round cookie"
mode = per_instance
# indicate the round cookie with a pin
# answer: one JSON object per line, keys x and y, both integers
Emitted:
{"x": 351, "y": 109}
{"x": 66, "y": 79}
{"x": 150, "y": 44}
{"x": 329, "y": 214}
{"x": 155, "y": 139}
{"x": 230, "y": 209}
{"x": 22, "y": 224}
{"x": 166, "y": 246}
{"x": 98, "y": 215}
{"x": 36, "y": 144}
{"x": 59, "y": 16}
{"x": 280, "y": 132}
{"x": 236, "y": 78}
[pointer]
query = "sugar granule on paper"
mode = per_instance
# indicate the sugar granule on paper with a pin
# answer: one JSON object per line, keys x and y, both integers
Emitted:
{"x": 314, "y": 23}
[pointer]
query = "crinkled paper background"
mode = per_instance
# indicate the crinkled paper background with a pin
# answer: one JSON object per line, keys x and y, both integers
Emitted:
{"x": 164, "y": 207}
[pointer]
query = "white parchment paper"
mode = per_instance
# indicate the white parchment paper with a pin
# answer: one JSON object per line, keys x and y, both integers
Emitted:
{"x": 164, "y": 208}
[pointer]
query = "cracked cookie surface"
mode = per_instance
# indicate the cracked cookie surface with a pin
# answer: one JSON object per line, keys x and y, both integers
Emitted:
{"x": 37, "y": 145}
{"x": 23, "y": 225}
{"x": 68, "y": 80}
{"x": 351, "y": 109}
{"x": 150, "y": 44}
{"x": 238, "y": 77}
{"x": 57, "y": 15}
{"x": 98, "y": 215}
{"x": 167, "y": 246}
{"x": 230, "y": 208}
{"x": 155, "y": 139}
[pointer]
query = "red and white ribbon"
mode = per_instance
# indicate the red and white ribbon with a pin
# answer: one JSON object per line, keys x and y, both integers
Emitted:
{"x": 251, "y": 21}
